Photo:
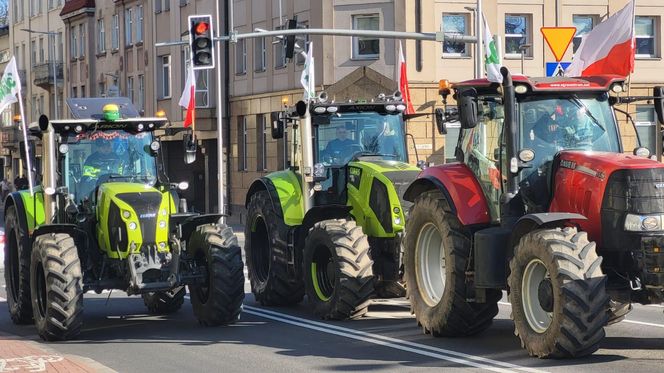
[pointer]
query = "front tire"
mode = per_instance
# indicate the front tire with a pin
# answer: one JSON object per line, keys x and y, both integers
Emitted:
{"x": 17, "y": 270}
{"x": 558, "y": 294}
{"x": 56, "y": 284}
{"x": 164, "y": 302}
{"x": 436, "y": 253}
{"x": 218, "y": 300}
{"x": 266, "y": 240}
{"x": 337, "y": 269}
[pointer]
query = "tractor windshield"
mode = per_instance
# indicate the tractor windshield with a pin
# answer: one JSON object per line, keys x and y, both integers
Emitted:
{"x": 550, "y": 124}
{"x": 350, "y": 135}
{"x": 109, "y": 156}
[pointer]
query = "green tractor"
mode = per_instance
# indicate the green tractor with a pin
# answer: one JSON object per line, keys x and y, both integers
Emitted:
{"x": 106, "y": 217}
{"x": 330, "y": 225}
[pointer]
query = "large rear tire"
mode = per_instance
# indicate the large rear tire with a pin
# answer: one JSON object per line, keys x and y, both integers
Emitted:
{"x": 266, "y": 249}
{"x": 17, "y": 270}
{"x": 436, "y": 253}
{"x": 218, "y": 300}
{"x": 558, "y": 294}
{"x": 337, "y": 269}
{"x": 164, "y": 302}
{"x": 56, "y": 284}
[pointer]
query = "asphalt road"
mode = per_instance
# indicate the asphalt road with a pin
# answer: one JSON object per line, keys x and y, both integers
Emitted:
{"x": 120, "y": 335}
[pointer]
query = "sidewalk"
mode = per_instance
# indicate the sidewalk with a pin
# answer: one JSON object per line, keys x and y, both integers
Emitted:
{"x": 17, "y": 355}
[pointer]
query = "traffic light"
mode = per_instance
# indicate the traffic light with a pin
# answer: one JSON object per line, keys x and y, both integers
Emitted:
{"x": 201, "y": 42}
{"x": 290, "y": 39}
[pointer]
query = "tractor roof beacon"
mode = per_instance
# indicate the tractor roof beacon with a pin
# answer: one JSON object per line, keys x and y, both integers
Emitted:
{"x": 330, "y": 225}
{"x": 542, "y": 203}
{"x": 107, "y": 217}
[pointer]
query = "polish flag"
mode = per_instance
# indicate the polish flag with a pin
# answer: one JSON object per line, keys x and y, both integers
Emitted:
{"x": 402, "y": 82}
{"x": 188, "y": 99}
{"x": 607, "y": 49}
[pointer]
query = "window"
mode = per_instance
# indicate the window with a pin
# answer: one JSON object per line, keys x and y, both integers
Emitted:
{"x": 81, "y": 29}
{"x": 141, "y": 92}
{"x": 644, "y": 30}
{"x": 261, "y": 143}
{"x": 157, "y": 6}
{"x": 129, "y": 23}
{"x": 260, "y": 54}
{"x": 115, "y": 37}
{"x": 130, "y": 88}
{"x": 41, "y": 50}
{"x": 167, "y": 5}
{"x": 645, "y": 126}
{"x": 583, "y": 24}
{"x": 101, "y": 36}
{"x": 73, "y": 92}
{"x": 282, "y": 144}
{"x": 279, "y": 53}
{"x": 101, "y": 89}
{"x": 35, "y": 7}
{"x": 82, "y": 91}
{"x": 73, "y": 42}
{"x": 242, "y": 143}
{"x": 33, "y": 54}
{"x": 241, "y": 57}
{"x": 166, "y": 76}
{"x": 202, "y": 88}
{"x": 303, "y": 41}
{"x": 19, "y": 61}
{"x": 139, "y": 23}
{"x": 366, "y": 48}
{"x": 455, "y": 23}
{"x": 61, "y": 50}
{"x": 517, "y": 33}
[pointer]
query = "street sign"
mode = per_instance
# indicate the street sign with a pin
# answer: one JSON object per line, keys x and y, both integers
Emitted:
{"x": 558, "y": 39}
{"x": 556, "y": 68}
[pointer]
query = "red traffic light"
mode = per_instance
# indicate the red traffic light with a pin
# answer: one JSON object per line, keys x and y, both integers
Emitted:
{"x": 201, "y": 28}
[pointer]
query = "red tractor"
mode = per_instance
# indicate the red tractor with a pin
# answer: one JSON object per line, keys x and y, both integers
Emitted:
{"x": 542, "y": 203}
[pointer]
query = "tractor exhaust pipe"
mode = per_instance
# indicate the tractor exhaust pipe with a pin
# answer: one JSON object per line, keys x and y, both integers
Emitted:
{"x": 512, "y": 208}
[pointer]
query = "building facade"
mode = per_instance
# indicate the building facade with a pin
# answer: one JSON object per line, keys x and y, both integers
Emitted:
{"x": 361, "y": 68}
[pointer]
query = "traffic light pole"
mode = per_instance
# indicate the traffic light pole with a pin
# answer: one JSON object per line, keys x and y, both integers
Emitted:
{"x": 234, "y": 37}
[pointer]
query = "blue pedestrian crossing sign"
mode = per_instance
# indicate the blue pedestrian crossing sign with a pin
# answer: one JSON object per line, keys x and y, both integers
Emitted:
{"x": 556, "y": 68}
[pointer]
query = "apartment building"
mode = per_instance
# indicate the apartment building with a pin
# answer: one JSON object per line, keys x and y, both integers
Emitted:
{"x": 36, "y": 35}
{"x": 360, "y": 68}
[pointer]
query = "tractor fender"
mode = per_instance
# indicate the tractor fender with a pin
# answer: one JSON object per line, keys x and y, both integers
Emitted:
{"x": 459, "y": 186}
{"x": 71, "y": 229}
{"x": 285, "y": 193}
{"x": 14, "y": 199}
{"x": 264, "y": 184}
{"x": 189, "y": 225}
{"x": 530, "y": 222}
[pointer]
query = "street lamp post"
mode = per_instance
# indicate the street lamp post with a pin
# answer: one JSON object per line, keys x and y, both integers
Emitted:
{"x": 523, "y": 48}
{"x": 51, "y": 52}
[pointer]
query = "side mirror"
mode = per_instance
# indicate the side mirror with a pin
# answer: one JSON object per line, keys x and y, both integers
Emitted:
{"x": 658, "y": 92}
{"x": 189, "y": 148}
{"x": 467, "y": 105}
{"x": 440, "y": 121}
{"x": 278, "y": 129}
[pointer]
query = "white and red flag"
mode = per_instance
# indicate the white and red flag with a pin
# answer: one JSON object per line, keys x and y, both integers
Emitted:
{"x": 188, "y": 99}
{"x": 608, "y": 48}
{"x": 402, "y": 82}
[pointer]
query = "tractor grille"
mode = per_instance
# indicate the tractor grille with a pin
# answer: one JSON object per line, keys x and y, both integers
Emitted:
{"x": 637, "y": 191}
{"x": 146, "y": 205}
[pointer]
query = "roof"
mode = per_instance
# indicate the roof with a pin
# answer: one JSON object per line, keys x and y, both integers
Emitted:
{"x": 559, "y": 83}
{"x": 74, "y": 5}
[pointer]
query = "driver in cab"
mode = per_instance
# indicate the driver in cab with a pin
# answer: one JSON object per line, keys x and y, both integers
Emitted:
{"x": 103, "y": 161}
{"x": 341, "y": 144}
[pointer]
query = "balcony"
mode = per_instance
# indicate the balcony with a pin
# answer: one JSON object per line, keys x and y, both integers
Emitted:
{"x": 42, "y": 74}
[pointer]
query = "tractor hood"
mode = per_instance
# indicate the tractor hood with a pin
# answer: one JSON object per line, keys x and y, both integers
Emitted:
{"x": 131, "y": 216}
{"x": 605, "y": 187}
{"x": 398, "y": 173}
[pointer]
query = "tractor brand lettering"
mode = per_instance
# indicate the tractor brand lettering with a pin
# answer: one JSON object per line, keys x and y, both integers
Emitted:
{"x": 659, "y": 185}
{"x": 148, "y": 215}
{"x": 590, "y": 171}
{"x": 568, "y": 164}
{"x": 354, "y": 176}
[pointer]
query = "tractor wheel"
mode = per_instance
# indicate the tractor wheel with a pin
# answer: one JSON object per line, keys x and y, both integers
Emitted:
{"x": 558, "y": 294}
{"x": 337, "y": 270}
{"x": 266, "y": 240}
{"x": 56, "y": 283}
{"x": 218, "y": 300}
{"x": 17, "y": 270}
{"x": 386, "y": 255}
{"x": 164, "y": 302}
{"x": 436, "y": 253}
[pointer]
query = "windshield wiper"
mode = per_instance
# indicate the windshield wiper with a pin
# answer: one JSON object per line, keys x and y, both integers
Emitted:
{"x": 576, "y": 101}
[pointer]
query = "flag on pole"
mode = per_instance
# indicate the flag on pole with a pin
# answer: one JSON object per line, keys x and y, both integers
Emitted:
{"x": 188, "y": 99}
{"x": 402, "y": 82}
{"x": 307, "y": 79}
{"x": 491, "y": 56}
{"x": 607, "y": 49}
{"x": 10, "y": 85}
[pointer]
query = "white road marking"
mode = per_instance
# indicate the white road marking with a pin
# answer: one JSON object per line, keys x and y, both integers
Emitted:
{"x": 655, "y": 305}
{"x": 28, "y": 363}
{"x": 416, "y": 348}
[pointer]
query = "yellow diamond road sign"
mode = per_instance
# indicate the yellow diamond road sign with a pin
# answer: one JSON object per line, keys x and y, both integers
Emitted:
{"x": 558, "y": 39}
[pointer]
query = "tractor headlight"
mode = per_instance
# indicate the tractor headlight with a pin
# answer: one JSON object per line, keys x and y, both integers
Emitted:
{"x": 332, "y": 109}
{"x": 163, "y": 212}
{"x": 390, "y": 107}
{"x": 162, "y": 245}
{"x": 641, "y": 223}
{"x": 320, "y": 109}
{"x": 319, "y": 170}
{"x": 162, "y": 224}
{"x": 126, "y": 214}
{"x": 132, "y": 226}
